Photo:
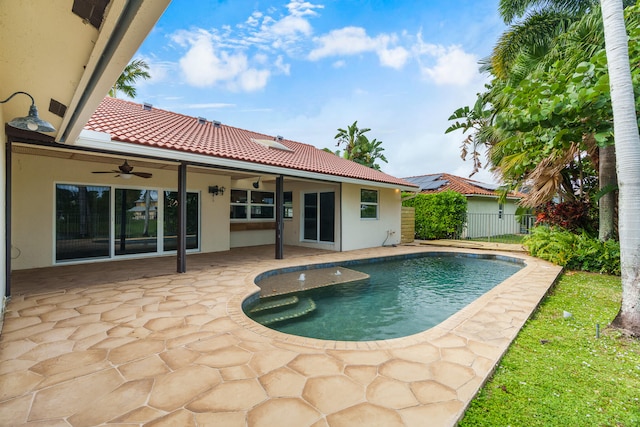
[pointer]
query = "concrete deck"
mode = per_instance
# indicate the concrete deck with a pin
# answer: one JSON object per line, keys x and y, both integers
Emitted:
{"x": 130, "y": 343}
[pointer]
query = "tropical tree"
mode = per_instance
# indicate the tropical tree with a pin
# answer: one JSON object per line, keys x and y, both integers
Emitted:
{"x": 627, "y": 143}
{"x": 348, "y": 138}
{"x": 135, "y": 70}
{"x": 368, "y": 152}
{"x": 358, "y": 147}
{"x": 557, "y": 148}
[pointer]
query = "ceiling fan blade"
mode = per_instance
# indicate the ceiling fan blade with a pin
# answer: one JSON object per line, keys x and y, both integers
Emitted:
{"x": 106, "y": 171}
{"x": 142, "y": 174}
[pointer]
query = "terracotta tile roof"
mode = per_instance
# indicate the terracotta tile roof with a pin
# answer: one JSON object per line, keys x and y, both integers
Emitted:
{"x": 436, "y": 183}
{"x": 129, "y": 122}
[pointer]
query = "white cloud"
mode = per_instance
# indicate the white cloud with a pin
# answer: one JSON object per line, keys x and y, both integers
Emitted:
{"x": 203, "y": 66}
{"x": 252, "y": 79}
{"x": 394, "y": 58}
{"x": 254, "y": 19}
{"x": 349, "y": 41}
{"x": 455, "y": 67}
{"x": 289, "y": 26}
{"x": 303, "y": 8}
{"x": 281, "y": 66}
{"x": 449, "y": 65}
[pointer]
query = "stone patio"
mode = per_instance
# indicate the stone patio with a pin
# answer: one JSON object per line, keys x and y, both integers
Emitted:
{"x": 131, "y": 343}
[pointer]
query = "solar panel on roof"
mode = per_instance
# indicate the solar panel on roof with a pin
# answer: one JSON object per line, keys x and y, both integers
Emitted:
{"x": 427, "y": 182}
{"x": 490, "y": 187}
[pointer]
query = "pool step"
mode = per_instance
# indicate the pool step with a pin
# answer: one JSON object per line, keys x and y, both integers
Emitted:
{"x": 303, "y": 307}
{"x": 273, "y": 303}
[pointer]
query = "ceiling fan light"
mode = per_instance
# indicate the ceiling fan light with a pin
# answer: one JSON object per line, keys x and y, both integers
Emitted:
{"x": 125, "y": 175}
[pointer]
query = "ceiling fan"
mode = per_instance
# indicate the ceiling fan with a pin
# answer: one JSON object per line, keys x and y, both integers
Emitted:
{"x": 126, "y": 171}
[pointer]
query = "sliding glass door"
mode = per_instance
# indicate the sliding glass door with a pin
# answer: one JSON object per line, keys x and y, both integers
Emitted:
{"x": 171, "y": 220}
{"x": 319, "y": 217}
{"x": 141, "y": 222}
{"x": 82, "y": 221}
{"x": 136, "y": 221}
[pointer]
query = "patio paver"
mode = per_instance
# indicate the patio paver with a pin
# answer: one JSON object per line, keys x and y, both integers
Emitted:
{"x": 132, "y": 343}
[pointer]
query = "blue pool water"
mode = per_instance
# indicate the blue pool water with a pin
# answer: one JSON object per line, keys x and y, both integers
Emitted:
{"x": 401, "y": 297}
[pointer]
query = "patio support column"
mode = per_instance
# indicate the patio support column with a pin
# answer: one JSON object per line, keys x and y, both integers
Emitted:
{"x": 7, "y": 220}
{"x": 182, "y": 218}
{"x": 279, "y": 216}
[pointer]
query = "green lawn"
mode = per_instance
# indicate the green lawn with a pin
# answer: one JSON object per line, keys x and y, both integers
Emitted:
{"x": 557, "y": 373}
{"x": 503, "y": 238}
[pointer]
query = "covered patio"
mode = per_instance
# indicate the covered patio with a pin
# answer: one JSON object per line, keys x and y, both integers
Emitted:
{"x": 133, "y": 343}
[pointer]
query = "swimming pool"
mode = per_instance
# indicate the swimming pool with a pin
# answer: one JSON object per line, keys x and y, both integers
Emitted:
{"x": 402, "y": 297}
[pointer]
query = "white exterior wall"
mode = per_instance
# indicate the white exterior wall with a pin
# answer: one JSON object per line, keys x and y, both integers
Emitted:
{"x": 33, "y": 207}
{"x": 360, "y": 233}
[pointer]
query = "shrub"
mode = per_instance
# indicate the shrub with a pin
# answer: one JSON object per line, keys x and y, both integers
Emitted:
{"x": 574, "y": 251}
{"x": 574, "y": 215}
{"x": 438, "y": 215}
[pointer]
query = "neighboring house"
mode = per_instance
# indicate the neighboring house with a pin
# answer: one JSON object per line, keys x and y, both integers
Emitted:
{"x": 66, "y": 55}
{"x": 487, "y": 215}
{"x": 230, "y": 179}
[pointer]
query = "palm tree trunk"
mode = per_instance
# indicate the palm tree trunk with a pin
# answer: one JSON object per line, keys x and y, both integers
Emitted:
{"x": 627, "y": 144}
{"x": 608, "y": 183}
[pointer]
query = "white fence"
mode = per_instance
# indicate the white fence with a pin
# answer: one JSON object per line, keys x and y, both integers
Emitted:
{"x": 490, "y": 227}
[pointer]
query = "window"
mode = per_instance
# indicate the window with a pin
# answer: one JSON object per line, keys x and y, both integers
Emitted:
{"x": 252, "y": 205}
{"x": 368, "y": 204}
{"x": 288, "y": 205}
{"x": 500, "y": 210}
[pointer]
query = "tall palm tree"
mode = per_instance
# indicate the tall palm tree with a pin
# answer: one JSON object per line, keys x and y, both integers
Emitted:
{"x": 137, "y": 69}
{"x": 627, "y": 142}
{"x": 534, "y": 26}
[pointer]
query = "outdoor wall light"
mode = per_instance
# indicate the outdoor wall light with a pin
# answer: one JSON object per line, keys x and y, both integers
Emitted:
{"x": 215, "y": 190}
{"x": 32, "y": 122}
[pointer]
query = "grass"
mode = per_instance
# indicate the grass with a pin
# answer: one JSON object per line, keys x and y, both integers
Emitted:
{"x": 557, "y": 373}
{"x": 503, "y": 238}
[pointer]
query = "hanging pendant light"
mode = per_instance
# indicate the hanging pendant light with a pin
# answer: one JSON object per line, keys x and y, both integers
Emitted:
{"x": 31, "y": 122}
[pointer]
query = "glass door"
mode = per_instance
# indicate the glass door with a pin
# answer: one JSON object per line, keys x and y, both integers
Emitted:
{"x": 319, "y": 217}
{"x": 136, "y": 221}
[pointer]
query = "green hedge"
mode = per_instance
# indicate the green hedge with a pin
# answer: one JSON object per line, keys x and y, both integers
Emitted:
{"x": 439, "y": 215}
{"x": 574, "y": 251}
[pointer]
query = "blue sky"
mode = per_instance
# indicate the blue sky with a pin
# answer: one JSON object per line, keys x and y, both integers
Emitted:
{"x": 303, "y": 69}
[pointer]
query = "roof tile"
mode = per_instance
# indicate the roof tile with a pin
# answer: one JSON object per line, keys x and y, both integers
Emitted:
{"x": 128, "y": 122}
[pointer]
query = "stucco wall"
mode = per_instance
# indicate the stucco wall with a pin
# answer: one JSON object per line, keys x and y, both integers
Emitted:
{"x": 34, "y": 180}
{"x": 360, "y": 233}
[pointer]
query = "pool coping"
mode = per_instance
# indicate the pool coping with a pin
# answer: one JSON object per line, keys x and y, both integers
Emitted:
{"x": 236, "y": 313}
